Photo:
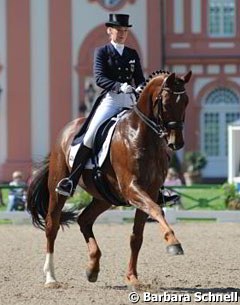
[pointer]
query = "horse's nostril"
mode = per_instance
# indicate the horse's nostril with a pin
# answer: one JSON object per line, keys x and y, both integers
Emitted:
{"x": 175, "y": 146}
{"x": 171, "y": 145}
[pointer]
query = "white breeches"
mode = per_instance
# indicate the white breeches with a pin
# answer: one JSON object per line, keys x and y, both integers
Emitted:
{"x": 109, "y": 106}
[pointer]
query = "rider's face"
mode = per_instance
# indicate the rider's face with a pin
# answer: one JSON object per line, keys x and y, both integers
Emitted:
{"x": 119, "y": 34}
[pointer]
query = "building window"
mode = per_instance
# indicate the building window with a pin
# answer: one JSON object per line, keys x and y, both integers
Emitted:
{"x": 211, "y": 134}
{"x": 222, "y": 18}
{"x": 221, "y": 107}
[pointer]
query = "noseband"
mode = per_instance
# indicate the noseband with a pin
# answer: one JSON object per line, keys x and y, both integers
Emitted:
{"x": 161, "y": 127}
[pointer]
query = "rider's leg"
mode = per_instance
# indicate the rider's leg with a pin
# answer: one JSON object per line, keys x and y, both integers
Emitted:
{"x": 67, "y": 186}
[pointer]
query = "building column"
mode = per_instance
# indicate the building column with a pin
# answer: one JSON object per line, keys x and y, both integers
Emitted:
{"x": 60, "y": 66}
{"x": 3, "y": 85}
{"x": 155, "y": 35}
{"x": 39, "y": 79}
{"x": 18, "y": 93}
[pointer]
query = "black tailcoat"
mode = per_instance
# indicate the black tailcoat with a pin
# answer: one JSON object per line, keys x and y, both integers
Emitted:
{"x": 112, "y": 69}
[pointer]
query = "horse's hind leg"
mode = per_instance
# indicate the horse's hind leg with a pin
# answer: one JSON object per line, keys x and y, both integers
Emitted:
{"x": 136, "y": 240}
{"x": 86, "y": 220}
{"x": 52, "y": 227}
{"x": 57, "y": 171}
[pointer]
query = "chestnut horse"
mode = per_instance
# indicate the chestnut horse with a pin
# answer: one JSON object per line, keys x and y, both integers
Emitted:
{"x": 135, "y": 169}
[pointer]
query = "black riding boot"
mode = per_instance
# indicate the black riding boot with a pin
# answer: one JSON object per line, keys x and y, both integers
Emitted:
{"x": 165, "y": 196}
{"x": 67, "y": 186}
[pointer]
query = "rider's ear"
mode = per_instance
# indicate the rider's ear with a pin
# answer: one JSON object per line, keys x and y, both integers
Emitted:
{"x": 187, "y": 77}
{"x": 170, "y": 79}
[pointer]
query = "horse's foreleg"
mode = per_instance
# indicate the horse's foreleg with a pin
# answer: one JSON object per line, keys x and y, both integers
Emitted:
{"x": 86, "y": 220}
{"x": 135, "y": 244}
{"x": 140, "y": 199}
{"x": 52, "y": 226}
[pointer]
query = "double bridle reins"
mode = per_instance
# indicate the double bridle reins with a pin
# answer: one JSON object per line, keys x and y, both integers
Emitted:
{"x": 160, "y": 128}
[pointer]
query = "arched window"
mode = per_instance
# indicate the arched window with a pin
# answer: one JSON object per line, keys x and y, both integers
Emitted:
{"x": 221, "y": 107}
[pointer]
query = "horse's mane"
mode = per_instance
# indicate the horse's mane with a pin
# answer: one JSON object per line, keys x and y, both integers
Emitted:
{"x": 151, "y": 77}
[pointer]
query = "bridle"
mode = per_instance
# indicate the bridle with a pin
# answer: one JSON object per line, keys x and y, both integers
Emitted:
{"x": 160, "y": 127}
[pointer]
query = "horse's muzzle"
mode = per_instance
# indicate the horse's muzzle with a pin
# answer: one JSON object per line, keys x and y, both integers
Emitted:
{"x": 176, "y": 146}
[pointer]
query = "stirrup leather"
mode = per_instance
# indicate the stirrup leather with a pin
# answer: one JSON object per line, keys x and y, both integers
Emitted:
{"x": 60, "y": 191}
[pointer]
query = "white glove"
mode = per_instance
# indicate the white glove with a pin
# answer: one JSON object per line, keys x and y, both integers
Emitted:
{"x": 126, "y": 88}
{"x": 139, "y": 89}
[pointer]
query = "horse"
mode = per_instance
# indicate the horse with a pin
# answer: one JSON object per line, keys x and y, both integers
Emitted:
{"x": 135, "y": 169}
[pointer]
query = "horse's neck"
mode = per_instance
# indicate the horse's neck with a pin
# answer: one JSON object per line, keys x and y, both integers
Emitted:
{"x": 145, "y": 105}
{"x": 145, "y": 101}
{"x": 144, "y": 134}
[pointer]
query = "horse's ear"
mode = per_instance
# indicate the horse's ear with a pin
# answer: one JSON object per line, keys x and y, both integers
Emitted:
{"x": 187, "y": 77}
{"x": 170, "y": 79}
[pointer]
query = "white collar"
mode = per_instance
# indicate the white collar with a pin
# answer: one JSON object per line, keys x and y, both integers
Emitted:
{"x": 118, "y": 46}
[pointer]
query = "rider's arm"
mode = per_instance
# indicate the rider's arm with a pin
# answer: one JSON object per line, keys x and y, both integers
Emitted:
{"x": 138, "y": 73}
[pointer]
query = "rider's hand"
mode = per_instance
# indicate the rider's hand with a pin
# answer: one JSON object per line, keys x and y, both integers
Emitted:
{"x": 126, "y": 88}
{"x": 139, "y": 89}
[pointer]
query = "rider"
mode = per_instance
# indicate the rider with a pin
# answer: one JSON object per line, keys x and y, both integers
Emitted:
{"x": 117, "y": 70}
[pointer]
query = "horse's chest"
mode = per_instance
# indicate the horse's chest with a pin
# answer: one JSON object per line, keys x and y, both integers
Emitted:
{"x": 152, "y": 167}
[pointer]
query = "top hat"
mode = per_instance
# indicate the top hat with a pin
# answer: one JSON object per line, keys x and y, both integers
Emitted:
{"x": 118, "y": 20}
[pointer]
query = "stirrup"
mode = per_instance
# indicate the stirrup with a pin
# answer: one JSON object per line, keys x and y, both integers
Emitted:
{"x": 63, "y": 192}
{"x": 170, "y": 197}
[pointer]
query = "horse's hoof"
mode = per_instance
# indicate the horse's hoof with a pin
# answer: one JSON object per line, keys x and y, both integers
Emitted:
{"x": 175, "y": 249}
{"x": 133, "y": 283}
{"x": 52, "y": 285}
{"x": 92, "y": 276}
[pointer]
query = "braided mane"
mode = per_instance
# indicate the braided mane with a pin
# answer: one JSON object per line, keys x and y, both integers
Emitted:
{"x": 152, "y": 76}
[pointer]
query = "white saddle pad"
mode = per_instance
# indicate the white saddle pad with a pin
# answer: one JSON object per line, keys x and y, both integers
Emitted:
{"x": 104, "y": 150}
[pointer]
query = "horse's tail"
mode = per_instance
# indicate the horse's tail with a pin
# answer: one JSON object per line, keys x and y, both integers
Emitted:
{"x": 38, "y": 199}
{"x": 38, "y": 195}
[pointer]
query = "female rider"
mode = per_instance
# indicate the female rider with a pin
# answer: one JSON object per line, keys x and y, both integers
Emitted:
{"x": 117, "y": 70}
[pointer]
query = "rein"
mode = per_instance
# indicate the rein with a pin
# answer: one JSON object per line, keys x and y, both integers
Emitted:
{"x": 161, "y": 128}
{"x": 157, "y": 128}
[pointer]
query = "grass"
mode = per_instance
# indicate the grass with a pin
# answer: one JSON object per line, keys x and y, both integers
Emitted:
{"x": 5, "y": 200}
{"x": 196, "y": 219}
{"x": 5, "y": 222}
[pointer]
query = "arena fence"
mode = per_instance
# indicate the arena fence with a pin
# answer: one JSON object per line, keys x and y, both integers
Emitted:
{"x": 173, "y": 214}
{"x": 201, "y": 196}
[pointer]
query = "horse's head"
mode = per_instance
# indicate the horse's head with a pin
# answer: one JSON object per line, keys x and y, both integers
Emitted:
{"x": 172, "y": 102}
{"x": 168, "y": 102}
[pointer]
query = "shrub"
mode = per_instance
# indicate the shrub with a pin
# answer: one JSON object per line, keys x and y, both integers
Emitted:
{"x": 231, "y": 196}
{"x": 80, "y": 199}
{"x": 195, "y": 161}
